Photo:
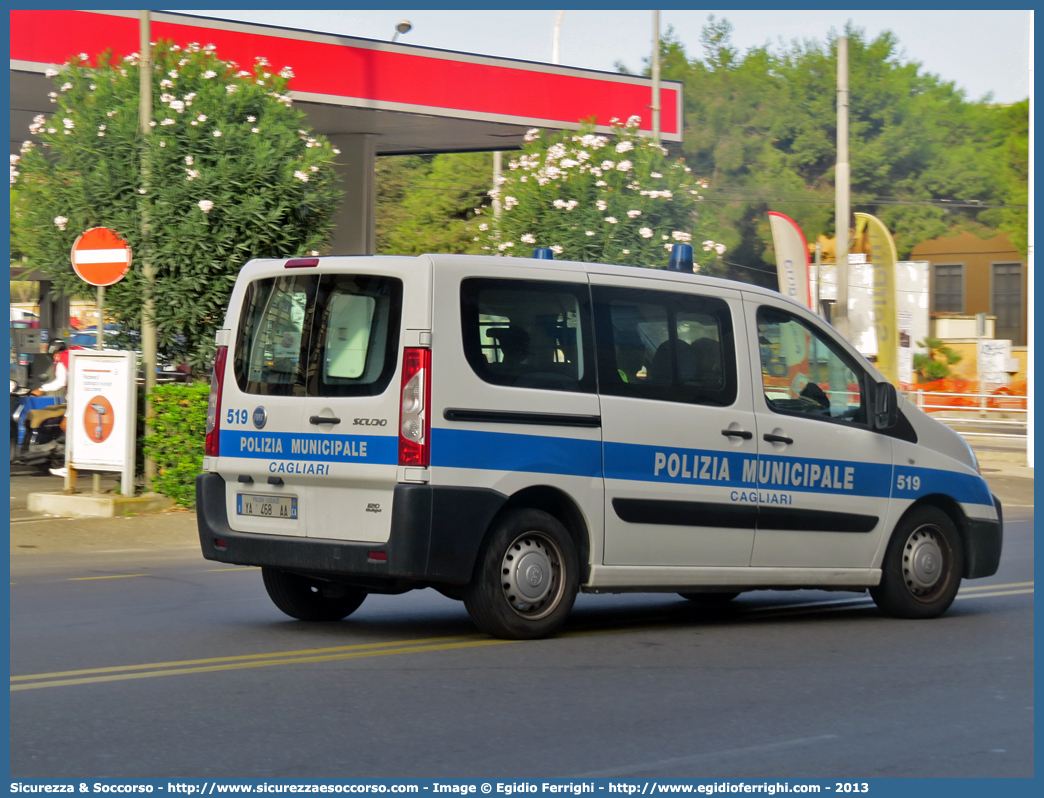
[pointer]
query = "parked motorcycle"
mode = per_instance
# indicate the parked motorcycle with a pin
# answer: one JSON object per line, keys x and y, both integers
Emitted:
{"x": 42, "y": 445}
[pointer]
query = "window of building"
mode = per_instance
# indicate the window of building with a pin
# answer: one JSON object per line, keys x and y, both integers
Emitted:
{"x": 1006, "y": 303}
{"x": 528, "y": 334}
{"x": 666, "y": 346}
{"x": 948, "y": 288}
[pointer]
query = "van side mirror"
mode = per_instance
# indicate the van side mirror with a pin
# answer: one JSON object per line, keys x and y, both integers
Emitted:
{"x": 886, "y": 406}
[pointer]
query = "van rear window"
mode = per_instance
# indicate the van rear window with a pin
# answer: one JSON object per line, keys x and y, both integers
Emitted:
{"x": 318, "y": 335}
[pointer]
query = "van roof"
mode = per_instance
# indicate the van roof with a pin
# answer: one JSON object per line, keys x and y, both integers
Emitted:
{"x": 492, "y": 261}
{"x": 616, "y": 269}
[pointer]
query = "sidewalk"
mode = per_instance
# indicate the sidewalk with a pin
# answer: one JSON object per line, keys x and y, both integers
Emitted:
{"x": 34, "y": 533}
{"x": 1003, "y": 464}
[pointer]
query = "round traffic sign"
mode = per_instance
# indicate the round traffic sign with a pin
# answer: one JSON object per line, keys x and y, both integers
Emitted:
{"x": 100, "y": 257}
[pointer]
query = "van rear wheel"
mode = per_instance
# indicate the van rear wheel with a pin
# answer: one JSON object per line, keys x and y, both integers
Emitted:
{"x": 922, "y": 567}
{"x": 526, "y": 578}
{"x": 310, "y": 599}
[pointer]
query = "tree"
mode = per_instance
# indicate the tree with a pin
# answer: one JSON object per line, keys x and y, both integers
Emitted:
{"x": 762, "y": 127}
{"x": 591, "y": 199}
{"x": 425, "y": 202}
{"x": 936, "y": 364}
{"x": 233, "y": 173}
{"x": 1013, "y": 143}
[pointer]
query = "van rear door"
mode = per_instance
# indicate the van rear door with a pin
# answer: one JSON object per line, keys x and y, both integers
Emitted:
{"x": 261, "y": 406}
{"x": 347, "y": 450}
{"x": 325, "y": 393}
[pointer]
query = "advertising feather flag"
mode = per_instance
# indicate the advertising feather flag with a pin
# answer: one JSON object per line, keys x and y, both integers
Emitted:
{"x": 792, "y": 265}
{"x": 883, "y": 256}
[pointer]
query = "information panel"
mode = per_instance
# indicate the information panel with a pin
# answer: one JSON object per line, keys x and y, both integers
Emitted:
{"x": 101, "y": 412}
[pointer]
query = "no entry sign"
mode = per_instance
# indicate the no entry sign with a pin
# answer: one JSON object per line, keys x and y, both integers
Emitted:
{"x": 100, "y": 257}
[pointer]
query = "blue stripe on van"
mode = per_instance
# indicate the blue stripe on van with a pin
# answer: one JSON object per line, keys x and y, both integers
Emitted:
{"x": 380, "y": 449}
{"x": 502, "y": 451}
{"x": 965, "y": 488}
{"x": 749, "y": 470}
{"x": 498, "y": 451}
{"x": 798, "y": 474}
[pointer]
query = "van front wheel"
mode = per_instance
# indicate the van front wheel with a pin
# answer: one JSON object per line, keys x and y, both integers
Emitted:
{"x": 922, "y": 567}
{"x": 310, "y": 599}
{"x": 526, "y": 579}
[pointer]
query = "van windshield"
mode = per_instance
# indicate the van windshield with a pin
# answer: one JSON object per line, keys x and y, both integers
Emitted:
{"x": 318, "y": 335}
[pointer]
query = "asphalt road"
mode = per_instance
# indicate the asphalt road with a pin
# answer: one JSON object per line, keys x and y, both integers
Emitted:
{"x": 132, "y": 656}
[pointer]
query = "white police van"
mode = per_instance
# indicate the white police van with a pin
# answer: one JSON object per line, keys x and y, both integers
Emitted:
{"x": 510, "y": 431}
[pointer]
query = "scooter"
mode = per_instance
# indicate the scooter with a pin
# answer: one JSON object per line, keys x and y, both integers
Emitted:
{"x": 42, "y": 446}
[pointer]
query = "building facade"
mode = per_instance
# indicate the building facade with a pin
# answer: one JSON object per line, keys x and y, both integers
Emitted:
{"x": 969, "y": 275}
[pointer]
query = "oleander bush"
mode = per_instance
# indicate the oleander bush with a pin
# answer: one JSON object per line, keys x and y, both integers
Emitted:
{"x": 230, "y": 171}
{"x": 599, "y": 199}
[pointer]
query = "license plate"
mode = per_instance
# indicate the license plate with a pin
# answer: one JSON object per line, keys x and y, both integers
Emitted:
{"x": 266, "y": 506}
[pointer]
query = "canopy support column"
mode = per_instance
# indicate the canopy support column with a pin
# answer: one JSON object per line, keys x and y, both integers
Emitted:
{"x": 355, "y": 229}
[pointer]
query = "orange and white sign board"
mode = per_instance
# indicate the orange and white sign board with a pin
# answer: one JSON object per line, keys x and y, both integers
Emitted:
{"x": 100, "y": 257}
{"x": 102, "y": 412}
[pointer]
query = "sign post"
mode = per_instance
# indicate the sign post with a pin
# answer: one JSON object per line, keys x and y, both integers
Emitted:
{"x": 99, "y": 257}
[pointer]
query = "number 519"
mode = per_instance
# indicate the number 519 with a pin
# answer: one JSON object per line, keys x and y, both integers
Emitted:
{"x": 906, "y": 482}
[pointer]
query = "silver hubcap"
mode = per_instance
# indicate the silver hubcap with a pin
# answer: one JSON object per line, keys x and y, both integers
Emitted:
{"x": 531, "y": 576}
{"x": 922, "y": 560}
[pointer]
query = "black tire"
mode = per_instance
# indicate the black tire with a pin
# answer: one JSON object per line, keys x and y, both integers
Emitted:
{"x": 922, "y": 567}
{"x": 526, "y": 578}
{"x": 310, "y": 599}
{"x": 709, "y": 599}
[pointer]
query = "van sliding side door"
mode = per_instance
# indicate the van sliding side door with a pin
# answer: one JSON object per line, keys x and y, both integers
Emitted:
{"x": 678, "y": 425}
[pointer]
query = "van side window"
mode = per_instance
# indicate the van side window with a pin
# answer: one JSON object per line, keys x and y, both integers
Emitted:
{"x": 665, "y": 346}
{"x": 528, "y": 334}
{"x": 804, "y": 373}
{"x": 271, "y": 343}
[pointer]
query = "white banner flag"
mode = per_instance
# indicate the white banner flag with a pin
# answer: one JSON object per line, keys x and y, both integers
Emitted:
{"x": 791, "y": 258}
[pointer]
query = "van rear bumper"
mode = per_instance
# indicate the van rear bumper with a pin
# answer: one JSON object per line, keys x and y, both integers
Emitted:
{"x": 435, "y": 537}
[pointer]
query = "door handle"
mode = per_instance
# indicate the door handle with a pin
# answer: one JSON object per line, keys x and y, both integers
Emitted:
{"x": 737, "y": 433}
{"x": 777, "y": 438}
{"x": 323, "y": 420}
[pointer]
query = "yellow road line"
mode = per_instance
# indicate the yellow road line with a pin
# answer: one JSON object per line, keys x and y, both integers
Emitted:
{"x": 240, "y": 568}
{"x": 307, "y": 652}
{"x": 259, "y": 664}
{"x": 117, "y": 576}
{"x": 362, "y": 650}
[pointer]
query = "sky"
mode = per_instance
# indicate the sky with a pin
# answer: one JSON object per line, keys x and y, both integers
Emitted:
{"x": 982, "y": 52}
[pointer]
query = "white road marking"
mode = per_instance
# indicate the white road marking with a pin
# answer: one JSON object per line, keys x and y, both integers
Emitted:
{"x": 640, "y": 767}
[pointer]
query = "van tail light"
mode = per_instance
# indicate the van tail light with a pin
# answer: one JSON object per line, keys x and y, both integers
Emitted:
{"x": 414, "y": 416}
{"x": 217, "y": 379}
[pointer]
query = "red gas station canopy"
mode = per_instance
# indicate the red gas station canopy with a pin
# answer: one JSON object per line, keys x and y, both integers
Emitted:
{"x": 414, "y": 99}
